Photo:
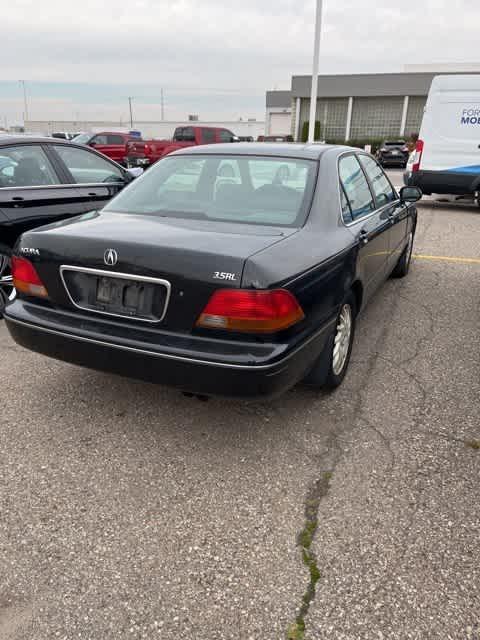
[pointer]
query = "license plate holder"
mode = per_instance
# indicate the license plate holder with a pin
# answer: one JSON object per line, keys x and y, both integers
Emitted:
{"x": 141, "y": 298}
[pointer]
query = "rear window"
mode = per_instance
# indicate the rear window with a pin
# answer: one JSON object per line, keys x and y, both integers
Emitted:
{"x": 270, "y": 191}
{"x": 394, "y": 144}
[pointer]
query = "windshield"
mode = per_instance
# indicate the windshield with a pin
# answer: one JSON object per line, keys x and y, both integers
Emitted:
{"x": 260, "y": 190}
{"x": 82, "y": 138}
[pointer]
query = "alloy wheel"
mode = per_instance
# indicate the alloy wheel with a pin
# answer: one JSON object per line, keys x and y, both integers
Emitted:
{"x": 7, "y": 290}
{"x": 343, "y": 336}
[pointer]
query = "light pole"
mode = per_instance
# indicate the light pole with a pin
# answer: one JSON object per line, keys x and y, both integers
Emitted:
{"x": 131, "y": 112}
{"x": 25, "y": 105}
{"x": 316, "y": 55}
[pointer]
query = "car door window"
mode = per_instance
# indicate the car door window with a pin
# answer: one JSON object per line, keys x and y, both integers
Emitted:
{"x": 226, "y": 136}
{"x": 26, "y": 166}
{"x": 208, "y": 136}
{"x": 382, "y": 189}
{"x": 87, "y": 167}
{"x": 356, "y": 187}
{"x": 101, "y": 139}
{"x": 346, "y": 211}
{"x": 114, "y": 139}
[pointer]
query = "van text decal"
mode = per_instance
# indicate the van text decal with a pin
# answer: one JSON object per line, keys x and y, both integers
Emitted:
{"x": 470, "y": 116}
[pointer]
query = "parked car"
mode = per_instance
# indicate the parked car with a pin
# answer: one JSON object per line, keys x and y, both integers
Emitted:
{"x": 393, "y": 153}
{"x": 147, "y": 152}
{"x": 112, "y": 144}
{"x": 238, "y": 283}
{"x": 44, "y": 180}
{"x": 65, "y": 135}
{"x": 446, "y": 158}
{"x": 283, "y": 138}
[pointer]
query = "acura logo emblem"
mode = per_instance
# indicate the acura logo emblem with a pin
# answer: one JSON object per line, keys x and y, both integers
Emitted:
{"x": 110, "y": 257}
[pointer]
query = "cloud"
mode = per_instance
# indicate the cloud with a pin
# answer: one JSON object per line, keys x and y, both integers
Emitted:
{"x": 216, "y": 55}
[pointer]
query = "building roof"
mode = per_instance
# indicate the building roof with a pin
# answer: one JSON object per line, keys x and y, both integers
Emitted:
{"x": 279, "y": 99}
{"x": 365, "y": 85}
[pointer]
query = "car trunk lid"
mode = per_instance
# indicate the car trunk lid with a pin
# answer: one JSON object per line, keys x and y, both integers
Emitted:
{"x": 156, "y": 269}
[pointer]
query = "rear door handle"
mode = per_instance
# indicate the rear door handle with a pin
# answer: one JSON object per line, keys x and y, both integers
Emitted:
{"x": 363, "y": 236}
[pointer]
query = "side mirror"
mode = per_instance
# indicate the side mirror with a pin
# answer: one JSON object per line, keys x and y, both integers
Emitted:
{"x": 92, "y": 144}
{"x": 410, "y": 194}
{"x": 135, "y": 172}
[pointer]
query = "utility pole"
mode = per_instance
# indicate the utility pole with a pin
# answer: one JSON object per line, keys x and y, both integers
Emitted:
{"x": 25, "y": 105}
{"x": 131, "y": 112}
{"x": 316, "y": 56}
{"x": 163, "y": 104}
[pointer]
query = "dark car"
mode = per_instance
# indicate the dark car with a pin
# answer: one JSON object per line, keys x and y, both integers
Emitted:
{"x": 393, "y": 153}
{"x": 44, "y": 180}
{"x": 239, "y": 283}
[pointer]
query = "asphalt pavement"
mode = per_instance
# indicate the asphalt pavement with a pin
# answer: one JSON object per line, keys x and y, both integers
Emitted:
{"x": 130, "y": 511}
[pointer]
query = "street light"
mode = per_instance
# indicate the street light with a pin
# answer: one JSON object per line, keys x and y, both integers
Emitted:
{"x": 131, "y": 113}
{"x": 25, "y": 106}
{"x": 316, "y": 55}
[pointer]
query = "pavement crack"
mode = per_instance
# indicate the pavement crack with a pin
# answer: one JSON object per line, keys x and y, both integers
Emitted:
{"x": 296, "y": 631}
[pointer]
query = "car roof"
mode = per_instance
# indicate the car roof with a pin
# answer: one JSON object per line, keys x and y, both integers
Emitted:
{"x": 307, "y": 151}
{"x": 7, "y": 139}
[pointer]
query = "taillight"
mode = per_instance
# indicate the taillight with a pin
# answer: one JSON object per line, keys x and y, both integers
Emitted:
{"x": 26, "y": 278}
{"x": 251, "y": 311}
{"x": 418, "y": 155}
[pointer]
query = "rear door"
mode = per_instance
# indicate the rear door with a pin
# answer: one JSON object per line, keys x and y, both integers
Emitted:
{"x": 451, "y": 126}
{"x": 370, "y": 226}
{"x": 388, "y": 206}
{"x": 31, "y": 189}
{"x": 96, "y": 180}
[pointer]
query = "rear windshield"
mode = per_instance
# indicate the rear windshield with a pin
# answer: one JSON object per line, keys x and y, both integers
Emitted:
{"x": 270, "y": 191}
{"x": 394, "y": 144}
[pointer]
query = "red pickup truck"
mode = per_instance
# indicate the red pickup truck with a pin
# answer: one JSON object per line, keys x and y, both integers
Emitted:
{"x": 142, "y": 153}
{"x": 112, "y": 144}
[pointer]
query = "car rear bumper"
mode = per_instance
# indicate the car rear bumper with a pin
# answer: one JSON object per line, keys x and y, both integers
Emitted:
{"x": 393, "y": 160}
{"x": 447, "y": 182}
{"x": 133, "y": 162}
{"x": 242, "y": 372}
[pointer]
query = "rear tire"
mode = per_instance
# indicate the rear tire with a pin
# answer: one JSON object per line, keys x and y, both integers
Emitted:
{"x": 403, "y": 265}
{"x": 331, "y": 367}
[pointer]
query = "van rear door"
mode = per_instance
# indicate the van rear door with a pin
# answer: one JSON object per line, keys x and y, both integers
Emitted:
{"x": 451, "y": 125}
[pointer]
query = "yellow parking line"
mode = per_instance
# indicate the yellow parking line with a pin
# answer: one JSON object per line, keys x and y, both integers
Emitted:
{"x": 418, "y": 256}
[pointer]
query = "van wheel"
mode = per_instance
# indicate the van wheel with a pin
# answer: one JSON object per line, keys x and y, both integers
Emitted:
{"x": 403, "y": 265}
{"x": 331, "y": 367}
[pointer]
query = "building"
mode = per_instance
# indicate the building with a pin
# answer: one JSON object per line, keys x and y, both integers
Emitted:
{"x": 357, "y": 107}
{"x": 278, "y": 116}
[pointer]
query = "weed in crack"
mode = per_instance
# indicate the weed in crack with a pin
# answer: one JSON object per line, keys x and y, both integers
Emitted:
{"x": 296, "y": 631}
{"x": 473, "y": 444}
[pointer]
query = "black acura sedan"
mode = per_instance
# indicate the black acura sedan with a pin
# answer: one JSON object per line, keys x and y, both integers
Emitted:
{"x": 43, "y": 180}
{"x": 236, "y": 270}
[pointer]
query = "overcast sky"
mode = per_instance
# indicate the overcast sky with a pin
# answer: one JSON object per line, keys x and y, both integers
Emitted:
{"x": 82, "y": 59}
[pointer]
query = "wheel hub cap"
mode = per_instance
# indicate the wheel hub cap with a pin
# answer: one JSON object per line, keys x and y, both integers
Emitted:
{"x": 342, "y": 339}
{"x": 7, "y": 290}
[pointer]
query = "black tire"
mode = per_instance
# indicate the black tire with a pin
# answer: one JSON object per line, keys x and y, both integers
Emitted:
{"x": 403, "y": 265}
{"x": 324, "y": 374}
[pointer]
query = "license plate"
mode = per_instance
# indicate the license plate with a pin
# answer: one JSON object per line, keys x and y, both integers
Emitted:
{"x": 395, "y": 153}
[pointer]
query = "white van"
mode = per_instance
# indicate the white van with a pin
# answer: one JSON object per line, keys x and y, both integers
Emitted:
{"x": 447, "y": 156}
